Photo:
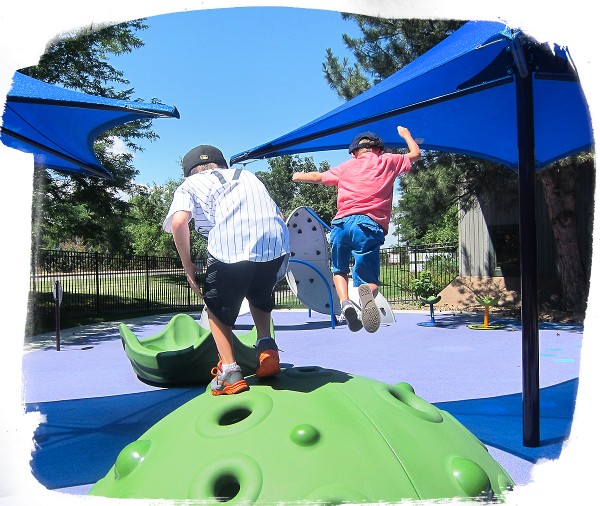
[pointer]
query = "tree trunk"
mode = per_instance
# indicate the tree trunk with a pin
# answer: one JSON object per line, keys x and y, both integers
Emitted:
{"x": 559, "y": 185}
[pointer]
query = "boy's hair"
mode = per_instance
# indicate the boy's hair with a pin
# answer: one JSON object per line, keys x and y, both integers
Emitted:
{"x": 206, "y": 166}
{"x": 366, "y": 140}
{"x": 359, "y": 151}
{"x": 202, "y": 155}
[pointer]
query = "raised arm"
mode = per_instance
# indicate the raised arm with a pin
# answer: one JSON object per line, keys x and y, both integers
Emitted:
{"x": 414, "y": 151}
{"x": 307, "y": 177}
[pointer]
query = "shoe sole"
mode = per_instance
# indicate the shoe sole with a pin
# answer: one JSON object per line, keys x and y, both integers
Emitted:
{"x": 352, "y": 319}
{"x": 371, "y": 318}
{"x": 269, "y": 364}
{"x": 236, "y": 388}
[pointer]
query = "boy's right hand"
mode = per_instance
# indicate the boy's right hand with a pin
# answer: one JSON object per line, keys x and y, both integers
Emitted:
{"x": 403, "y": 132}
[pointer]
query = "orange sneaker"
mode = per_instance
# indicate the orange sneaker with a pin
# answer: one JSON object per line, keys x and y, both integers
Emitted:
{"x": 267, "y": 358}
{"x": 227, "y": 383}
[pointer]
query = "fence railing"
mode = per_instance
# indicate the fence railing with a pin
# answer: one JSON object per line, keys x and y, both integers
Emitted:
{"x": 95, "y": 284}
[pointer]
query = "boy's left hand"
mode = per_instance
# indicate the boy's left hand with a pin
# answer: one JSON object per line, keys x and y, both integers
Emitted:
{"x": 190, "y": 274}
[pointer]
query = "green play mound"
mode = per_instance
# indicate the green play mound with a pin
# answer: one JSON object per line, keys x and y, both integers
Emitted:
{"x": 183, "y": 352}
{"x": 308, "y": 435}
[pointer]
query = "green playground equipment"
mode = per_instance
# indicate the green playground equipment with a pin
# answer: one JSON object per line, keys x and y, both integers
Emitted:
{"x": 308, "y": 435}
{"x": 486, "y": 302}
{"x": 431, "y": 300}
{"x": 183, "y": 352}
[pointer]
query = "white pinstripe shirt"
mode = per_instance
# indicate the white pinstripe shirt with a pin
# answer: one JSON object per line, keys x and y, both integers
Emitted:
{"x": 234, "y": 210}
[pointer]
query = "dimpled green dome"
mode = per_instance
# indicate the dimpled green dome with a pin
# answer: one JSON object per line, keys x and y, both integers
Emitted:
{"x": 308, "y": 434}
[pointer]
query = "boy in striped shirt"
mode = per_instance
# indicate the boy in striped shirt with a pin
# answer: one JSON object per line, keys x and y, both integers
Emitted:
{"x": 248, "y": 246}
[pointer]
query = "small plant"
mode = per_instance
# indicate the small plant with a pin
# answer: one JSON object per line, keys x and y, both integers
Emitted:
{"x": 423, "y": 286}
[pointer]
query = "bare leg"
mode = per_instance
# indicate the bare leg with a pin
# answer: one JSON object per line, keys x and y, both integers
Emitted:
{"x": 262, "y": 321}
{"x": 340, "y": 281}
{"x": 374, "y": 289}
{"x": 222, "y": 334}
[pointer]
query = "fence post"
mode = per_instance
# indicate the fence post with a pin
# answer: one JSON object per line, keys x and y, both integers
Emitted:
{"x": 189, "y": 290}
{"x": 416, "y": 270}
{"x": 57, "y": 293}
{"x": 97, "y": 272}
{"x": 147, "y": 281}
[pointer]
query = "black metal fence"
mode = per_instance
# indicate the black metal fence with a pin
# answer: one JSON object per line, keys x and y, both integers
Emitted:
{"x": 100, "y": 285}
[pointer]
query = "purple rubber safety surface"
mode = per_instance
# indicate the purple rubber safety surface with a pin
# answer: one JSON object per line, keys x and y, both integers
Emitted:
{"x": 95, "y": 405}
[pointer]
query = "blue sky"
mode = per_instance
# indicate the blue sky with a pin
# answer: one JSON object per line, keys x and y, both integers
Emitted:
{"x": 239, "y": 77}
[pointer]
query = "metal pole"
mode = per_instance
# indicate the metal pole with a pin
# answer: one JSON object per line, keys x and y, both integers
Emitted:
{"x": 528, "y": 250}
{"x": 147, "y": 282}
{"x": 97, "y": 276}
{"x": 57, "y": 313}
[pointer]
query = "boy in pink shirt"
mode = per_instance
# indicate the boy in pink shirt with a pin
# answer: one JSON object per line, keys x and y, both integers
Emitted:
{"x": 365, "y": 188}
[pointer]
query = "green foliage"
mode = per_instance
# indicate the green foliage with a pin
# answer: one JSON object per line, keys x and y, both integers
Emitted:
{"x": 423, "y": 286}
{"x": 442, "y": 265}
{"x": 149, "y": 206}
{"x": 278, "y": 180}
{"x": 290, "y": 195}
{"x": 440, "y": 185}
{"x": 75, "y": 209}
{"x": 320, "y": 198}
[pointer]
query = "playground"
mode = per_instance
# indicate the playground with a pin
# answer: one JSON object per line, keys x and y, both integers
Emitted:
{"x": 422, "y": 377}
{"x": 474, "y": 376}
{"x": 427, "y": 407}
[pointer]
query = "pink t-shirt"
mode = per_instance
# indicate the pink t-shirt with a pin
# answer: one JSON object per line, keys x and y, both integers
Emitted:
{"x": 366, "y": 185}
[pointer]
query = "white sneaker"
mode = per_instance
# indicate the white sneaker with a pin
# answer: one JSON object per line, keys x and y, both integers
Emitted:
{"x": 371, "y": 319}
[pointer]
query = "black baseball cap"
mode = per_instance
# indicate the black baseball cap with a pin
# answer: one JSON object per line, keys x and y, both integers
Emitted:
{"x": 373, "y": 140}
{"x": 202, "y": 155}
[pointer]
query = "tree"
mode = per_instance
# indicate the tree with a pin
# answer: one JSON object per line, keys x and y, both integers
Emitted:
{"x": 289, "y": 195}
{"x": 74, "y": 209}
{"x": 559, "y": 187}
{"x": 278, "y": 180}
{"x": 320, "y": 198}
{"x": 385, "y": 47}
{"x": 148, "y": 208}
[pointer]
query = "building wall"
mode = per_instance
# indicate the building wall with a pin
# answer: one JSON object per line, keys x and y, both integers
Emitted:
{"x": 477, "y": 253}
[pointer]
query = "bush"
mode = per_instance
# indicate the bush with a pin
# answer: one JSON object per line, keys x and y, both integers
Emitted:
{"x": 423, "y": 286}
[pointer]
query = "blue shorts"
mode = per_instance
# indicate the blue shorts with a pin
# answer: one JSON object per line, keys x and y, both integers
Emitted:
{"x": 359, "y": 236}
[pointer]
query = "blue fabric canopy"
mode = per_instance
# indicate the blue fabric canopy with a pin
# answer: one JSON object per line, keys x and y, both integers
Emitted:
{"x": 459, "y": 97}
{"x": 486, "y": 91}
{"x": 59, "y": 125}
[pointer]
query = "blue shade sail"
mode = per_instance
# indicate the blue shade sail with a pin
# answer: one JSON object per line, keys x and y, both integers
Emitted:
{"x": 59, "y": 125}
{"x": 459, "y": 97}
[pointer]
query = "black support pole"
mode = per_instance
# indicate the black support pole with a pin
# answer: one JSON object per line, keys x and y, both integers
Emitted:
{"x": 528, "y": 249}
